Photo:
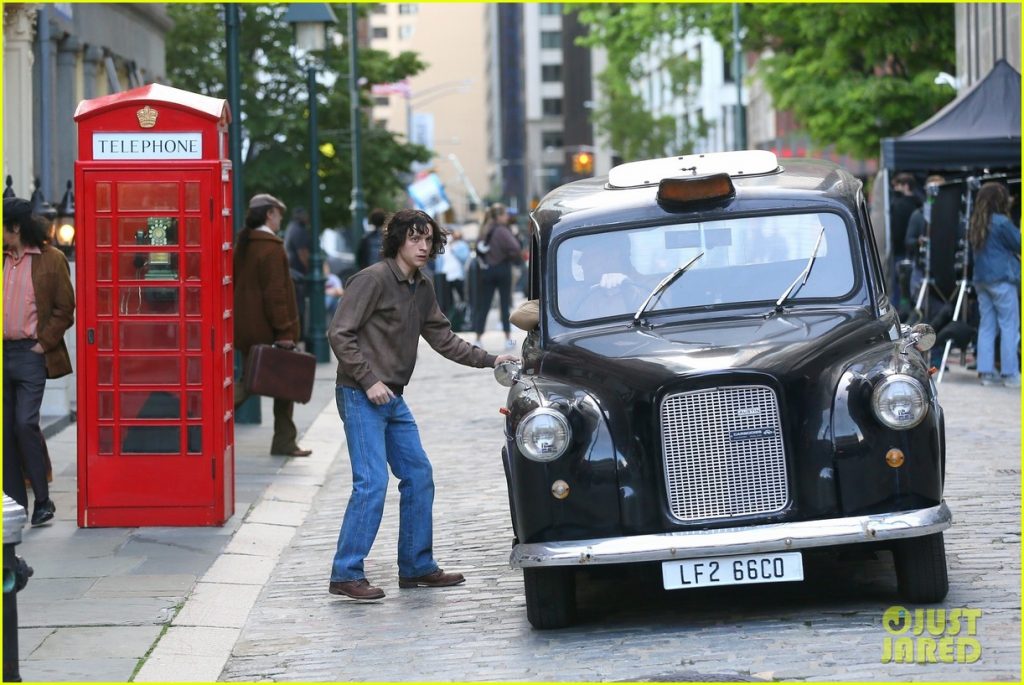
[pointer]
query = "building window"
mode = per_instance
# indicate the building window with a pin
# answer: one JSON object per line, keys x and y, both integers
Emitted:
{"x": 552, "y": 107}
{"x": 549, "y": 8}
{"x": 381, "y": 101}
{"x": 408, "y": 8}
{"x": 380, "y": 8}
{"x": 551, "y": 39}
{"x": 406, "y": 32}
{"x": 380, "y": 123}
{"x": 551, "y": 139}
{"x": 551, "y": 72}
{"x": 380, "y": 31}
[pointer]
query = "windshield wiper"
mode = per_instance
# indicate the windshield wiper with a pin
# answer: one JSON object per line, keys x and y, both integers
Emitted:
{"x": 661, "y": 287}
{"x": 802, "y": 278}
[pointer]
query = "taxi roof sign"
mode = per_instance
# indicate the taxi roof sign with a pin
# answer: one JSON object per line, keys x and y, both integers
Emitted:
{"x": 652, "y": 171}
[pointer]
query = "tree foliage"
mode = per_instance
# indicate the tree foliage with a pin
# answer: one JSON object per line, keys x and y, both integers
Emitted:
{"x": 274, "y": 106}
{"x": 850, "y": 74}
{"x": 629, "y": 32}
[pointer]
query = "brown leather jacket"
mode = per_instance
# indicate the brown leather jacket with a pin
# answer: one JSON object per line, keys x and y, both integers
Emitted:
{"x": 55, "y": 308}
{"x": 265, "y": 307}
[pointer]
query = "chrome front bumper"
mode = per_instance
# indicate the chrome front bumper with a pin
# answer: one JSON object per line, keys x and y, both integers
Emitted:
{"x": 776, "y": 537}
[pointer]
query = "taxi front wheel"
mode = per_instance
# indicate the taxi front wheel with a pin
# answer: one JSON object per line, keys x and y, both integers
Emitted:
{"x": 921, "y": 569}
{"x": 550, "y": 596}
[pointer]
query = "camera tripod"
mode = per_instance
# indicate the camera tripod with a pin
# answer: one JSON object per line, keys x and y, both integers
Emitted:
{"x": 973, "y": 183}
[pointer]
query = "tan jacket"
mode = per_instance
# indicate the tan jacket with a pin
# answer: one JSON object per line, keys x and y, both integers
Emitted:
{"x": 55, "y": 308}
{"x": 378, "y": 325}
{"x": 265, "y": 307}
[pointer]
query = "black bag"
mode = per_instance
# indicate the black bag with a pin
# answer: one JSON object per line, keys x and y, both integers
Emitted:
{"x": 457, "y": 316}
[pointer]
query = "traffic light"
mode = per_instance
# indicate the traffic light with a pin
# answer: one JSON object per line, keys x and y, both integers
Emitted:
{"x": 583, "y": 163}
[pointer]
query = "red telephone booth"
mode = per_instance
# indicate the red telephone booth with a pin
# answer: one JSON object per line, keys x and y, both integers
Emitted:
{"x": 155, "y": 326}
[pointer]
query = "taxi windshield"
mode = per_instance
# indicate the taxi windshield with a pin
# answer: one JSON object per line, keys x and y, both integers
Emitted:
{"x": 745, "y": 260}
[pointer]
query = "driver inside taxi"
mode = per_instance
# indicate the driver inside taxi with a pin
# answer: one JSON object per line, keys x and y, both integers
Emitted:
{"x": 600, "y": 279}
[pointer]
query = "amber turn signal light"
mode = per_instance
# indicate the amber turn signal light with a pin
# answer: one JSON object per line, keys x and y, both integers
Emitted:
{"x": 696, "y": 189}
{"x": 894, "y": 458}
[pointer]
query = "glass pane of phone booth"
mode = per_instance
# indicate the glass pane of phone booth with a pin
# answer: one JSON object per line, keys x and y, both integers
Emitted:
{"x": 152, "y": 332}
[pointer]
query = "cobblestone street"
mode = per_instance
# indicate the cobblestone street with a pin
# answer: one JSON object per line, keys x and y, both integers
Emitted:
{"x": 826, "y": 628}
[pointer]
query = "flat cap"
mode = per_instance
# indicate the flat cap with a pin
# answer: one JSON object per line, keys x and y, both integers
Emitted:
{"x": 16, "y": 210}
{"x": 265, "y": 200}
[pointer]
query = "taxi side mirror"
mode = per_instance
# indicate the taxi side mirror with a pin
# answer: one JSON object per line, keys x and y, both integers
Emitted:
{"x": 507, "y": 373}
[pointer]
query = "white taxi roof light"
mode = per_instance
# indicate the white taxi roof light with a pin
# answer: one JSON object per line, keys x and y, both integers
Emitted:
{"x": 701, "y": 189}
{"x": 652, "y": 171}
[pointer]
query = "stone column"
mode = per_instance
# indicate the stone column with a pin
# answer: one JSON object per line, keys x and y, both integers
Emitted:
{"x": 17, "y": 94}
{"x": 91, "y": 60}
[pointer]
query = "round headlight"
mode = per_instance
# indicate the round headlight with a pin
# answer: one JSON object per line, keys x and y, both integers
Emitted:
{"x": 543, "y": 435}
{"x": 899, "y": 402}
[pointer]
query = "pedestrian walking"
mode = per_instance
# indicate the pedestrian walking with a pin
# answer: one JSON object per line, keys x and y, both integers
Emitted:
{"x": 39, "y": 307}
{"x": 374, "y": 334}
{"x": 297, "y": 246}
{"x": 265, "y": 307}
{"x": 499, "y": 250}
{"x": 996, "y": 243}
{"x": 369, "y": 247}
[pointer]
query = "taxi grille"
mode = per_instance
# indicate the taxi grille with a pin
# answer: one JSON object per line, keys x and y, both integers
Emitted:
{"x": 723, "y": 453}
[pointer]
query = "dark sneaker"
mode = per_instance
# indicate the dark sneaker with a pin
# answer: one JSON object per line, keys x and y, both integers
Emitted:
{"x": 356, "y": 589}
{"x": 43, "y": 512}
{"x": 436, "y": 579}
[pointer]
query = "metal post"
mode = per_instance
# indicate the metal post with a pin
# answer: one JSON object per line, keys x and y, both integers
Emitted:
{"x": 45, "y": 90}
{"x": 737, "y": 48}
{"x": 358, "y": 206}
{"x": 315, "y": 278}
{"x": 249, "y": 412}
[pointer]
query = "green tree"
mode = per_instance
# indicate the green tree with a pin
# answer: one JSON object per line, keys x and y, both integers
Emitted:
{"x": 849, "y": 73}
{"x": 275, "y": 110}
{"x": 638, "y": 41}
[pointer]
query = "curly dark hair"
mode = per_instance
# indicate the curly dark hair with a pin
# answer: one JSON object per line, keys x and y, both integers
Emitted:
{"x": 993, "y": 198}
{"x": 403, "y": 223}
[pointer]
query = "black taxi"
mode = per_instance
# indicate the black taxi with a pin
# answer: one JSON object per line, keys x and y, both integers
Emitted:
{"x": 717, "y": 382}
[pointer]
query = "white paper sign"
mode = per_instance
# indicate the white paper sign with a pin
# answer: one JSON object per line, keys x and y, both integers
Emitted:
{"x": 147, "y": 145}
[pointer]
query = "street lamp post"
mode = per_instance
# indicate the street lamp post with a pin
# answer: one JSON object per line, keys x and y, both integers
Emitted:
{"x": 358, "y": 206}
{"x": 311, "y": 22}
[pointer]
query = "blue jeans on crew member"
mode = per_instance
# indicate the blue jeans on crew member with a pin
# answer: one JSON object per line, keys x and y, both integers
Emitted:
{"x": 998, "y": 304}
{"x": 380, "y": 436}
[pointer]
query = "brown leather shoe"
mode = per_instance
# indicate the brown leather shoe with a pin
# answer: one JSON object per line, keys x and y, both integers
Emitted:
{"x": 356, "y": 589}
{"x": 436, "y": 579}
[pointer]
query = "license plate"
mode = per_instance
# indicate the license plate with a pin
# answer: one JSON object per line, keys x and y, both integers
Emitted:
{"x": 735, "y": 570}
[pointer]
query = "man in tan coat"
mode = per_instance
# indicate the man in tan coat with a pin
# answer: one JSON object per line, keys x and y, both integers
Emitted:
{"x": 39, "y": 307}
{"x": 265, "y": 307}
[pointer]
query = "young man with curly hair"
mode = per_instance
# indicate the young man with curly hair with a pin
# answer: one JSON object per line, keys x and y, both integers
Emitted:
{"x": 374, "y": 334}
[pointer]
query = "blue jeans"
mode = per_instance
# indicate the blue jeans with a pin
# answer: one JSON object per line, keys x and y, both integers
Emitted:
{"x": 998, "y": 304}
{"x": 380, "y": 436}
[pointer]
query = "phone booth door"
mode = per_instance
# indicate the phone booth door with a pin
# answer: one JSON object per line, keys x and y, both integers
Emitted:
{"x": 148, "y": 338}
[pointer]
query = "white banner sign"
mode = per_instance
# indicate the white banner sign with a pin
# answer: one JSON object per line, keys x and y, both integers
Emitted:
{"x": 147, "y": 145}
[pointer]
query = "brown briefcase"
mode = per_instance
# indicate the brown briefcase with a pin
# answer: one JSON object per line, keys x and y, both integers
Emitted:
{"x": 277, "y": 372}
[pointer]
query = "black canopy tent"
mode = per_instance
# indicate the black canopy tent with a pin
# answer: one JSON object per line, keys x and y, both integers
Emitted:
{"x": 980, "y": 129}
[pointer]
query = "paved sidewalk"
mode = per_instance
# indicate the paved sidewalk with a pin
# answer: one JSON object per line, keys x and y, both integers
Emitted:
{"x": 101, "y": 597}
